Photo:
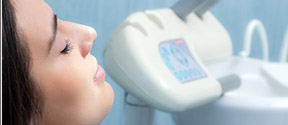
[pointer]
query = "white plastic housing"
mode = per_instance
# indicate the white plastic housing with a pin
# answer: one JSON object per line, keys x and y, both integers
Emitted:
{"x": 133, "y": 60}
{"x": 261, "y": 99}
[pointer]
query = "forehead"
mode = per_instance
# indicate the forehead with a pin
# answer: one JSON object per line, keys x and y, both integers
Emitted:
{"x": 34, "y": 19}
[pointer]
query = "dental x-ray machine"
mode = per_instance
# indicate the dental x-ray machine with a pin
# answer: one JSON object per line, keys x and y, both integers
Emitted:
{"x": 158, "y": 56}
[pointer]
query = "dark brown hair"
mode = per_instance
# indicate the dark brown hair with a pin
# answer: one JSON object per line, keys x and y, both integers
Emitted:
{"x": 21, "y": 101}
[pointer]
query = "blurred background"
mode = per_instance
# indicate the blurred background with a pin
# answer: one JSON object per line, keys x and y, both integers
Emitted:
{"x": 106, "y": 15}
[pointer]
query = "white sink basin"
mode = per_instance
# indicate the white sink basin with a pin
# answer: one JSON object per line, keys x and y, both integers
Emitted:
{"x": 255, "y": 102}
{"x": 277, "y": 75}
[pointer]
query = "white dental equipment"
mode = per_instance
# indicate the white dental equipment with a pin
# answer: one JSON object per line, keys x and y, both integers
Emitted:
{"x": 276, "y": 73}
{"x": 157, "y": 57}
{"x": 160, "y": 57}
{"x": 261, "y": 99}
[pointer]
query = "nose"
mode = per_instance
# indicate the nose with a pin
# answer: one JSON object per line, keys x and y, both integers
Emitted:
{"x": 88, "y": 37}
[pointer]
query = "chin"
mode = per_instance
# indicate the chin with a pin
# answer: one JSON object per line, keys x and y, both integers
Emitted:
{"x": 110, "y": 94}
{"x": 109, "y": 98}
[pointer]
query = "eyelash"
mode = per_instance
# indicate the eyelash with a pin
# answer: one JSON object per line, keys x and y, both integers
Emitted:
{"x": 67, "y": 48}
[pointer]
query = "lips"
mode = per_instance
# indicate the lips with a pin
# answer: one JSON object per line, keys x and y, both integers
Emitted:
{"x": 99, "y": 75}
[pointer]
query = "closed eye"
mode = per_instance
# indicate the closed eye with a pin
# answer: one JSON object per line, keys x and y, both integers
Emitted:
{"x": 68, "y": 47}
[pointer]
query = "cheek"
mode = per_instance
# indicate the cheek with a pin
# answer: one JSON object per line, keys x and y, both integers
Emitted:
{"x": 67, "y": 84}
{"x": 70, "y": 92}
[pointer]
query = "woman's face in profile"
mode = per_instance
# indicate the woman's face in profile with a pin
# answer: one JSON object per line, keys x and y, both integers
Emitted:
{"x": 72, "y": 83}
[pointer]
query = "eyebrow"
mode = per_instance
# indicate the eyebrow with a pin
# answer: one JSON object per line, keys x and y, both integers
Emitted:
{"x": 53, "y": 37}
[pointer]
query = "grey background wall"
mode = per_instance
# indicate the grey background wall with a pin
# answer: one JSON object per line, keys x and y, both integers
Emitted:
{"x": 106, "y": 15}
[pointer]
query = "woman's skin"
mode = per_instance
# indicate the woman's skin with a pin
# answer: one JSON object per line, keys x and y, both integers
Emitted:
{"x": 65, "y": 74}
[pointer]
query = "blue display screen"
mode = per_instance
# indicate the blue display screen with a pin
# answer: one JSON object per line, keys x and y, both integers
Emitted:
{"x": 180, "y": 61}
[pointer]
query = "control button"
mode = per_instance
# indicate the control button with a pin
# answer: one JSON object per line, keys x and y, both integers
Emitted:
{"x": 183, "y": 56}
{"x": 178, "y": 75}
{"x": 191, "y": 72}
{"x": 166, "y": 58}
{"x": 165, "y": 51}
{"x": 175, "y": 56}
{"x": 197, "y": 71}
{"x": 170, "y": 66}
{"x": 181, "y": 74}
{"x": 185, "y": 62}
{"x": 173, "y": 49}
{"x": 187, "y": 73}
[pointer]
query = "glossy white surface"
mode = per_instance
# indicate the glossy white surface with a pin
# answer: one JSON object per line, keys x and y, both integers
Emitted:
{"x": 276, "y": 74}
{"x": 256, "y": 102}
{"x": 133, "y": 58}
